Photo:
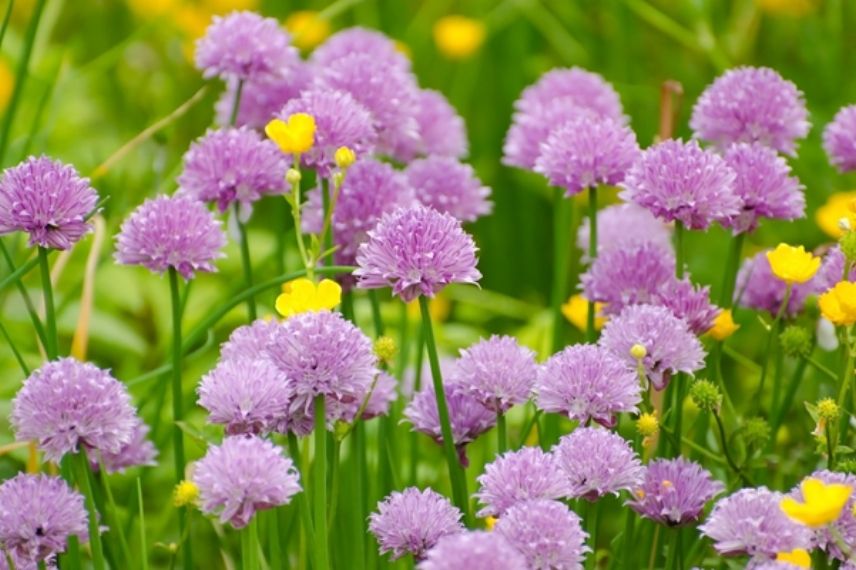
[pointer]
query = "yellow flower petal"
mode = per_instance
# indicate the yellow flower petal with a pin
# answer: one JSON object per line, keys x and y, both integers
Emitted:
{"x": 576, "y": 311}
{"x": 458, "y": 37}
{"x": 838, "y": 305}
{"x": 294, "y": 136}
{"x": 839, "y": 206}
{"x": 302, "y": 295}
{"x": 798, "y": 557}
{"x": 329, "y": 294}
{"x": 792, "y": 264}
{"x": 822, "y": 504}
{"x": 723, "y": 326}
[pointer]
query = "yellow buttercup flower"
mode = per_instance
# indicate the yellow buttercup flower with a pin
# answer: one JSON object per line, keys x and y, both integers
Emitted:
{"x": 458, "y": 37}
{"x": 185, "y": 493}
{"x": 839, "y": 206}
{"x": 648, "y": 424}
{"x": 723, "y": 325}
{"x": 576, "y": 311}
{"x": 302, "y": 295}
{"x": 490, "y": 522}
{"x": 794, "y": 8}
{"x": 226, "y": 6}
{"x": 308, "y": 29}
{"x": 798, "y": 557}
{"x": 793, "y": 264}
{"x": 295, "y": 136}
{"x": 823, "y": 502}
{"x": 838, "y": 304}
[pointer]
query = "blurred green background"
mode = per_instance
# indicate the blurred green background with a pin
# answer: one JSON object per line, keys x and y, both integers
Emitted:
{"x": 102, "y": 71}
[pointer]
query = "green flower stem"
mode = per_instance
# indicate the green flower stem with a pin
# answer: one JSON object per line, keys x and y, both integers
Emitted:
{"x": 178, "y": 408}
{"x": 114, "y": 513}
{"x": 847, "y": 377}
{"x": 726, "y": 452}
{"x": 652, "y": 558}
{"x": 360, "y": 502}
{"x": 527, "y": 429}
{"x": 144, "y": 559}
{"x": 247, "y": 263}
{"x": 82, "y": 477}
{"x": 6, "y": 17}
{"x": 274, "y": 539}
{"x": 501, "y": 433}
{"x": 562, "y": 210}
{"x": 250, "y": 545}
{"x": 20, "y": 76}
{"x": 20, "y": 272}
{"x": 771, "y": 337}
{"x": 778, "y": 414}
{"x": 51, "y": 346}
{"x": 295, "y": 213}
{"x": 376, "y": 316}
{"x": 303, "y": 499}
{"x": 732, "y": 263}
{"x": 417, "y": 385}
{"x": 592, "y": 522}
{"x": 236, "y": 103}
{"x": 31, "y": 309}
{"x": 679, "y": 249}
{"x": 456, "y": 472}
{"x": 629, "y": 545}
{"x": 319, "y": 478}
{"x": 591, "y": 333}
{"x": 20, "y": 359}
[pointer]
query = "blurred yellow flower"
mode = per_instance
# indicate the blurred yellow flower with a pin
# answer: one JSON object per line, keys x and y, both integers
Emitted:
{"x": 792, "y": 264}
{"x": 439, "y": 307}
{"x": 308, "y": 29}
{"x": 490, "y": 522}
{"x": 723, "y": 325}
{"x": 787, "y": 7}
{"x": 458, "y": 37}
{"x": 152, "y": 8}
{"x": 302, "y": 295}
{"x": 7, "y": 82}
{"x": 226, "y": 6}
{"x": 839, "y": 206}
{"x": 576, "y": 311}
{"x": 185, "y": 493}
{"x": 838, "y": 304}
{"x": 822, "y": 504}
{"x": 295, "y": 136}
{"x": 798, "y": 557}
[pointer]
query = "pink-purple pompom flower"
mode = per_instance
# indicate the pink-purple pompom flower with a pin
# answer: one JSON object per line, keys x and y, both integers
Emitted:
{"x": 498, "y": 372}
{"x": 474, "y": 550}
{"x": 839, "y": 139}
{"x": 519, "y": 476}
{"x": 449, "y": 186}
{"x": 597, "y": 462}
{"x": 547, "y": 533}
{"x": 674, "y": 491}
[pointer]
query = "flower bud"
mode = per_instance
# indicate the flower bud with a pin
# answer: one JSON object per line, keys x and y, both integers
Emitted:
{"x": 385, "y": 349}
{"x": 292, "y": 176}
{"x": 796, "y": 341}
{"x": 648, "y": 425}
{"x": 638, "y": 351}
{"x": 344, "y": 157}
{"x": 756, "y": 432}
{"x": 706, "y": 396}
{"x": 828, "y": 410}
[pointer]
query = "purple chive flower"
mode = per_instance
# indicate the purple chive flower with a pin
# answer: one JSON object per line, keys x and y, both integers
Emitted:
{"x": 449, "y": 186}
{"x": 597, "y": 461}
{"x": 245, "y": 46}
{"x": 442, "y": 130}
{"x": 751, "y": 104}
{"x": 680, "y": 181}
{"x": 248, "y": 396}
{"x": 261, "y": 99}
{"x": 669, "y": 344}
{"x": 362, "y": 41}
{"x": 138, "y": 452}
{"x": 498, "y": 372}
{"x": 244, "y": 475}
{"x": 518, "y": 476}
{"x": 839, "y": 139}
{"x": 688, "y": 302}
{"x": 764, "y": 186}
{"x": 389, "y": 93}
{"x": 469, "y": 418}
{"x": 770, "y": 564}
{"x": 416, "y": 251}
{"x": 250, "y": 341}
{"x": 627, "y": 276}
{"x": 587, "y": 383}
{"x": 674, "y": 491}
{"x": 67, "y": 405}
{"x": 547, "y": 532}
{"x": 757, "y": 287}
{"x": 528, "y": 131}
{"x": 412, "y": 521}
{"x": 171, "y": 232}
{"x": 339, "y": 121}
{"x": 474, "y": 550}
{"x": 371, "y": 189}
{"x": 751, "y": 522}
{"x": 232, "y": 166}
{"x": 581, "y": 88}
{"x": 844, "y": 525}
{"x": 624, "y": 226}
{"x": 38, "y": 514}
{"x": 48, "y": 200}
{"x": 831, "y": 271}
{"x": 322, "y": 354}
{"x": 381, "y": 397}
{"x": 587, "y": 151}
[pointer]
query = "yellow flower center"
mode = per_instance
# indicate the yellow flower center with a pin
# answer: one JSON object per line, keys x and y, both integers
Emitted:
{"x": 838, "y": 304}
{"x": 576, "y": 311}
{"x": 294, "y": 136}
{"x": 302, "y": 295}
{"x": 723, "y": 325}
{"x": 822, "y": 502}
{"x": 458, "y": 37}
{"x": 792, "y": 264}
{"x": 798, "y": 557}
